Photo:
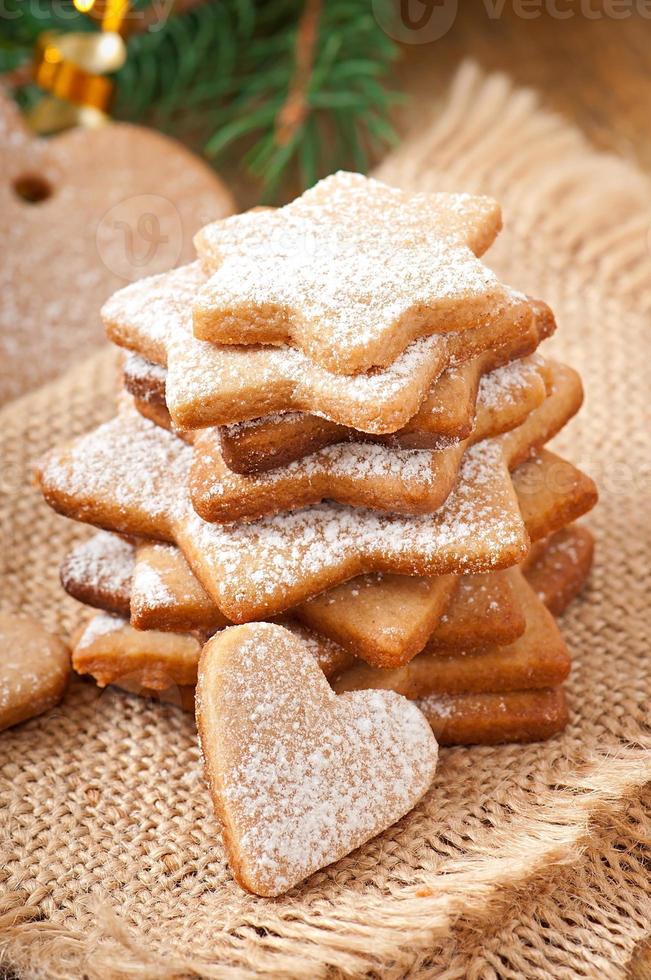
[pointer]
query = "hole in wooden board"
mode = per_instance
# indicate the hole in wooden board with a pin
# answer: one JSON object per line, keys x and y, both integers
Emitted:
{"x": 32, "y": 188}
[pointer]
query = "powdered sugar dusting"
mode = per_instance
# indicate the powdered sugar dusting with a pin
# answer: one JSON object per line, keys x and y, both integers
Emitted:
{"x": 105, "y": 561}
{"x": 149, "y": 315}
{"x": 347, "y": 268}
{"x": 288, "y": 557}
{"x": 278, "y": 561}
{"x": 404, "y": 481}
{"x": 234, "y": 384}
{"x": 306, "y": 776}
{"x": 357, "y": 473}
{"x": 506, "y": 384}
{"x": 128, "y": 469}
{"x": 144, "y": 379}
{"x": 211, "y": 385}
{"x": 330, "y": 657}
{"x": 150, "y": 588}
{"x": 102, "y": 624}
{"x": 438, "y": 707}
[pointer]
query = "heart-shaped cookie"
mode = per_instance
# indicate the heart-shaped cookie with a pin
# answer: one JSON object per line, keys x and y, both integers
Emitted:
{"x": 298, "y": 775}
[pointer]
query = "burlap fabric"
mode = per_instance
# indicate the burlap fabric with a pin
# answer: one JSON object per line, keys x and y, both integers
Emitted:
{"x": 522, "y": 861}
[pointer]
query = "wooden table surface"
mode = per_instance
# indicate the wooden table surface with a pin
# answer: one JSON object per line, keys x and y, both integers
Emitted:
{"x": 594, "y": 70}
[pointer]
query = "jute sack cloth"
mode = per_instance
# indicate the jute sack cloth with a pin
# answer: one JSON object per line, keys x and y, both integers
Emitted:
{"x": 521, "y": 861}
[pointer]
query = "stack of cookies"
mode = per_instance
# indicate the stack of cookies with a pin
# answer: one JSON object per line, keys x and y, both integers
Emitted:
{"x": 335, "y": 420}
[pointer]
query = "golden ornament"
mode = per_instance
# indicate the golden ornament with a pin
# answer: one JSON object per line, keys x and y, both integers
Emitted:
{"x": 73, "y": 68}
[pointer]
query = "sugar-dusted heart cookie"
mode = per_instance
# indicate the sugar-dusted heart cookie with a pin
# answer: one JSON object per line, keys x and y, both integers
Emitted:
{"x": 34, "y": 669}
{"x": 298, "y": 775}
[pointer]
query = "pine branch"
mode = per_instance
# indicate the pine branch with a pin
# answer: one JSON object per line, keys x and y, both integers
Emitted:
{"x": 257, "y": 82}
{"x": 337, "y": 113}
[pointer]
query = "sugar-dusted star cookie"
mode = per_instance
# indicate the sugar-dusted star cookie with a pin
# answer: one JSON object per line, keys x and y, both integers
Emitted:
{"x": 446, "y": 414}
{"x": 361, "y": 474}
{"x": 208, "y": 384}
{"x": 129, "y": 475}
{"x": 351, "y": 272}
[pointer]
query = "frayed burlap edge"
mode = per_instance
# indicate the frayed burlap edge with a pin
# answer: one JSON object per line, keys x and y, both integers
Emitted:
{"x": 474, "y": 888}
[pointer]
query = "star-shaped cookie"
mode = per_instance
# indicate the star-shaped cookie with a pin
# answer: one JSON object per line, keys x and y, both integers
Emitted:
{"x": 207, "y": 384}
{"x": 384, "y": 619}
{"x": 364, "y": 474}
{"x": 445, "y": 417}
{"x": 130, "y": 476}
{"x": 350, "y": 273}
